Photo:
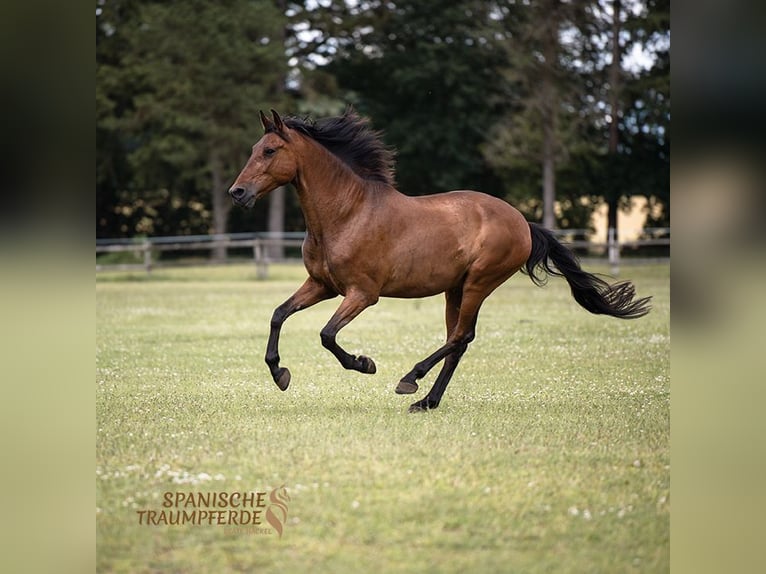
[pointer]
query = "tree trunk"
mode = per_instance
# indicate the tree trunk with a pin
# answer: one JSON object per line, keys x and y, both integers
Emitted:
{"x": 613, "y": 195}
{"x": 549, "y": 178}
{"x": 277, "y": 197}
{"x": 221, "y": 203}
{"x": 277, "y": 221}
{"x": 549, "y": 116}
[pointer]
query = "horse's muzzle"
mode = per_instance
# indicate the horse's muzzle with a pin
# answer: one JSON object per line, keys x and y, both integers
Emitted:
{"x": 242, "y": 197}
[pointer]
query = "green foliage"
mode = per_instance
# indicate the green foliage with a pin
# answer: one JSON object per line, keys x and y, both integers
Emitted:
{"x": 645, "y": 126}
{"x": 560, "y": 76}
{"x": 179, "y": 90}
{"x": 426, "y": 72}
{"x": 198, "y": 67}
{"x": 641, "y": 163}
{"x": 466, "y": 91}
{"x": 549, "y": 453}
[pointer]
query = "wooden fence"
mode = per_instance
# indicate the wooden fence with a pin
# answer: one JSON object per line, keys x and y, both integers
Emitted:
{"x": 147, "y": 251}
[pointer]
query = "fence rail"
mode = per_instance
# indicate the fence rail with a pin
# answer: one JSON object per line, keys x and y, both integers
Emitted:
{"x": 264, "y": 244}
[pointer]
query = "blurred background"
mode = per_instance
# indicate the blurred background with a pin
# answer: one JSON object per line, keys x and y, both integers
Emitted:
{"x": 561, "y": 108}
{"x": 469, "y": 93}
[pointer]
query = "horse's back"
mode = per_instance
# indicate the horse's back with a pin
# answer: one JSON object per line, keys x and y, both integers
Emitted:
{"x": 466, "y": 201}
{"x": 503, "y": 233}
{"x": 442, "y": 237}
{"x": 484, "y": 217}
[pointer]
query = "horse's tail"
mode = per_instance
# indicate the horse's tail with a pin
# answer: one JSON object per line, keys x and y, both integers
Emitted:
{"x": 591, "y": 292}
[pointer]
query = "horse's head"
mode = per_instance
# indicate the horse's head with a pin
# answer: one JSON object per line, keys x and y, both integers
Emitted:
{"x": 272, "y": 163}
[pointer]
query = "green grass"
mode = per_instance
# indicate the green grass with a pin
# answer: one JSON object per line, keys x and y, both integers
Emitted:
{"x": 549, "y": 452}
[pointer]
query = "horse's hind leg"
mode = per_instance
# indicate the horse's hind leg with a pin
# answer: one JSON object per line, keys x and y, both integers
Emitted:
{"x": 462, "y": 311}
{"x": 475, "y": 289}
{"x": 308, "y": 294}
{"x": 354, "y": 303}
{"x": 434, "y": 396}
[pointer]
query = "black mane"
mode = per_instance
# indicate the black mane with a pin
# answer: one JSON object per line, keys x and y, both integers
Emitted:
{"x": 350, "y": 138}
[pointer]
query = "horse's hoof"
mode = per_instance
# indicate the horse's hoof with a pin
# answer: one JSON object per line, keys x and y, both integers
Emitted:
{"x": 366, "y": 365}
{"x": 421, "y": 407}
{"x": 406, "y": 388}
{"x": 282, "y": 379}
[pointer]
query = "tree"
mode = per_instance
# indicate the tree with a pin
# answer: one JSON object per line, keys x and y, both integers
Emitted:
{"x": 112, "y": 100}
{"x": 503, "y": 96}
{"x": 631, "y": 110}
{"x": 645, "y": 129}
{"x": 581, "y": 108}
{"x": 539, "y": 132}
{"x": 197, "y": 75}
{"x": 426, "y": 71}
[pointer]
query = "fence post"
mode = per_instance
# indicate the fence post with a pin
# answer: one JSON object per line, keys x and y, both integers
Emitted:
{"x": 147, "y": 249}
{"x": 613, "y": 251}
{"x": 261, "y": 264}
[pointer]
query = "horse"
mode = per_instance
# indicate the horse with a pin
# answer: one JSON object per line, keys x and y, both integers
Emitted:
{"x": 365, "y": 240}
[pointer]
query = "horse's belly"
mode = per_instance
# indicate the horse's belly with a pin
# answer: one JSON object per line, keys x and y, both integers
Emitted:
{"x": 425, "y": 276}
{"x": 413, "y": 291}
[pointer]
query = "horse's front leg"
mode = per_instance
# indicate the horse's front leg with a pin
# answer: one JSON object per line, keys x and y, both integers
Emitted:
{"x": 308, "y": 294}
{"x": 354, "y": 303}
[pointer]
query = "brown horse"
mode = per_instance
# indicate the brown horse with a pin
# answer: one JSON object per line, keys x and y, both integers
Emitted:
{"x": 365, "y": 240}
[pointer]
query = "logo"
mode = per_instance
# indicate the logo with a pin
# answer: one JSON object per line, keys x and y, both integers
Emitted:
{"x": 276, "y": 513}
{"x": 237, "y": 512}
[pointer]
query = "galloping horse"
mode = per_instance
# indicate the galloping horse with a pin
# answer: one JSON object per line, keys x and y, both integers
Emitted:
{"x": 365, "y": 240}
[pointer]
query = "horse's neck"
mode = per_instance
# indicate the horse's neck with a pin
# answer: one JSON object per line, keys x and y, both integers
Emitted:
{"x": 330, "y": 193}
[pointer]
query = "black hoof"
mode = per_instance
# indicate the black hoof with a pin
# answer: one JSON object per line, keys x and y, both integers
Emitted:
{"x": 421, "y": 406}
{"x": 282, "y": 379}
{"x": 365, "y": 365}
{"x": 406, "y": 388}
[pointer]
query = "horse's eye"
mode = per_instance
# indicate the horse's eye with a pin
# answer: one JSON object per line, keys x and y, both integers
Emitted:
{"x": 268, "y": 152}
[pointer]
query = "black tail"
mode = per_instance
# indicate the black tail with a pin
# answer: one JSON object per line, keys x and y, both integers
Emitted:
{"x": 591, "y": 292}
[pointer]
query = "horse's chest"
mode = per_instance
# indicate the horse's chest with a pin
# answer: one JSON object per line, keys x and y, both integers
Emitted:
{"x": 322, "y": 265}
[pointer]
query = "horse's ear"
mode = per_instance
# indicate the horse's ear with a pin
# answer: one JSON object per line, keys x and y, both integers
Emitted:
{"x": 268, "y": 125}
{"x": 277, "y": 121}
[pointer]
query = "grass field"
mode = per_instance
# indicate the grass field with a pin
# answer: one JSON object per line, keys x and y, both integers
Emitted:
{"x": 549, "y": 453}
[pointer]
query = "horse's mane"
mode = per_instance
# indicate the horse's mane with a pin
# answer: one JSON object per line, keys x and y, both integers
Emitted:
{"x": 351, "y": 138}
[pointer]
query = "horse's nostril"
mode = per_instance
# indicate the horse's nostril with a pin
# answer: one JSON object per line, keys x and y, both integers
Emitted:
{"x": 237, "y": 192}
